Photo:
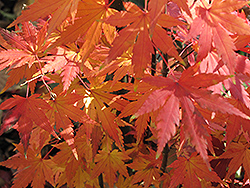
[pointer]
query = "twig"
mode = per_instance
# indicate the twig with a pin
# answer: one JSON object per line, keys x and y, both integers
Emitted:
{"x": 52, "y": 95}
{"x": 110, "y": 3}
{"x": 165, "y": 153}
{"x": 85, "y": 85}
{"x": 171, "y": 71}
{"x": 32, "y": 79}
{"x": 27, "y": 91}
{"x": 153, "y": 63}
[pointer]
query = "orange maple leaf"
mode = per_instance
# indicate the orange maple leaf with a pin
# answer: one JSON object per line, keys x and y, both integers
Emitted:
{"x": 62, "y": 111}
{"x": 137, "y": 33}
{"x": 71, "y": 170}
{"x": 109, "y": 163}
{"x": 28, "y": 45}
{"x": 43, "y": 8}
{"x": 148, "y": 168}
{"x": 16, "y": 74}
{"x": 30, "y": 168}
{"x": 98, "y": 103}
{"x": 88, "y": 25}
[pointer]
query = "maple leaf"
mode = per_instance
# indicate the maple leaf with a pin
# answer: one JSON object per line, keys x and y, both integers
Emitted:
{"x": 138, "y": 98}
{"x": 211, "y": 22}
{"x": 43, "y": 8}
{"x": 88, "y": 25}
{"x": 127, "y": 37}
{"x": 235, "y": 123}
{"x": 67, "y": 164}
{"x": 71, "y": 169}
{"x": 28, "y": 111}
{"x": 62, "y": 111}
{"x": 155, "y": 10}
{"x": 121, "y": 66}
{"x": 239, "y": 153}
{"x": 136, "y": 34}
{"x": 65, "y": 63}
{"x": 97, "y": 31}
{"x": 16, "y": 74}
{"x": 28, "y": 47}
{"x": 126, "y": 182}
{"x": 30, "y": 168}
{"x": 147, "y": 168}
{"x": 83, "y": 177}
{"x": 97, "y": 103}
{"x": 183, "y": 4}
{"x": 188, "y": 91}
{"x": 109, "y": 163}
{"x": 190, "y": 171}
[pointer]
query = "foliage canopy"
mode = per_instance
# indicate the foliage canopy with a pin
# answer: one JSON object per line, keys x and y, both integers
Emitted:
{"x": 135, "y": 95}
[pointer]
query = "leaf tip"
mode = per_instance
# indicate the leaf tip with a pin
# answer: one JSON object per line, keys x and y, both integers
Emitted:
{"x": 133, "y": 117}
{"x": 158, "y": 154}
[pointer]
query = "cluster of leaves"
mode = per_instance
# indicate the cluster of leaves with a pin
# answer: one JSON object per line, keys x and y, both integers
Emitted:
{"x": 152, "y": 94}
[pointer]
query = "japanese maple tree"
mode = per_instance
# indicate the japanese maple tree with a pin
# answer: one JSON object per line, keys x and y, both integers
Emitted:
{"x": 150, "y": 93}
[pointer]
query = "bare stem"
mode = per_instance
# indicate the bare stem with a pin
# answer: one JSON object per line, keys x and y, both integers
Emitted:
{"x": 170, "y": 70}
{"x": 165, "y": 153}
{"x": 45, "y": 157}
{"x": 110, "y": 3}
{"x": 52, "y": 95}
{"x": 146, "y": 5}
{"x": 153, "y": 63}
{"x": 85, "y": 85}
{"x": 32, "y": 79}
{"x": 27, "y": 91}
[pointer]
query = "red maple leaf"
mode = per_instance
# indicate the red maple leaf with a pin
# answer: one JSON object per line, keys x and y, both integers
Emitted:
{"x": 29, "y": 112}
{"x": 211, "y": 24}
{"x": 186, "y": 92}
{"x": 25, "y": 56}
{"x": 190, "y": 171}
{"x": 239, "y": 153}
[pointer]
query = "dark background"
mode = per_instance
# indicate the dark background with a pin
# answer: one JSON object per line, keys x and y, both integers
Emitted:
{"x": 9, "y": 10}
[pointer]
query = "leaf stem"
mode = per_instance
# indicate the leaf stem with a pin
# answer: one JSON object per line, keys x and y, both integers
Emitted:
{"x": 45, "y": 157}
{"x": 32, "y": 79}
{"x": 170, "y": 70}
{"x": 145, "y": 6}
{"x": 186, "y": 48}
{"x": 110, "y": 3}
{"x": 52, "y": 95}
{"x": 84, "y": 84}
{"x": 27, "y": 91}
{"x": 153, "y": 63}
